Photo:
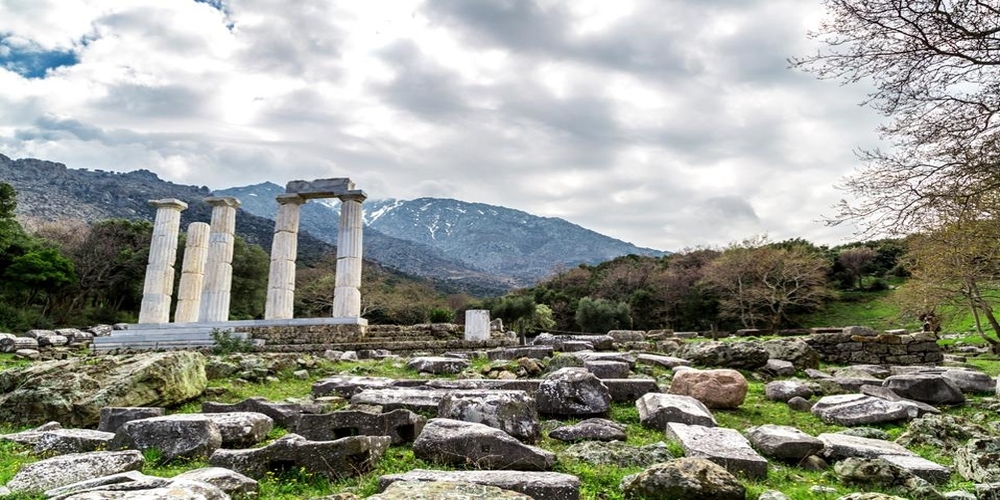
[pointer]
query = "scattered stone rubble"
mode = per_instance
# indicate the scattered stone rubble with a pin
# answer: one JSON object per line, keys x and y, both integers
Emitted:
{"x": 486, "y": 426}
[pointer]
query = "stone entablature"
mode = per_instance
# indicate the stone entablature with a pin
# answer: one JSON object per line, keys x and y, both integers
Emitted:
{"x": 882, "y": 349}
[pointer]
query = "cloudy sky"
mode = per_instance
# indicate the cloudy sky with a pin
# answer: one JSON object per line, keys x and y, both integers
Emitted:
{"x": 667, "y": 123}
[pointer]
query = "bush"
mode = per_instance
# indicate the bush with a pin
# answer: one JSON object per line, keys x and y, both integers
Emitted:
{"x": 227, "y": 343}
{"x": 442, "y": 315}
{"x": 602, "y": 316}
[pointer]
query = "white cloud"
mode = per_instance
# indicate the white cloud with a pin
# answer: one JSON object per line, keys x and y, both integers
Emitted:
{"x": 666, "y": 123}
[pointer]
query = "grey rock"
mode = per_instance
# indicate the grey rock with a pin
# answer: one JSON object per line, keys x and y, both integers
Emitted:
{"x": 627, "y": 390}
{"x": 437, "y": 364}
{"x": 858, "y": 409}
{"x": 181, "y": 435}
{"x": 853, "y": 384}
{"x": 971, "y": 382}
{"x": 51, "y": 390}
{"x": 512, "y": 353}
{"x": 779, "y": 368}
{"x": 687, "y": 478}
{"x": 622, "y": 336}
{"x": 928, "y": 388}
{"x": 979, "y": 460}
{"x": 616, "y": 453}
{"x": 60, "y": 441}
{"x": 241, "y": 429}
{"x": 866, "y": 432}
{"x": 984, "y": 491}
{"x": 838, "y": 446}
{"x": 417, "y": 400}
{"x": 153, "y": 488}
{"x": 572, "y": 392}
{"x": 796, "y": 351}
{"x": 783, "y": 442}
{"x": 890, "y": 395}
{"x": 513, "y": 412}
{"x": 817, "y": 374}
{"x": 864, "y": 371}
{"x": 726, "y": 447}
{"x": 229, "y": 481}
{"x": 97, "y": 483}
{"x": 921, "y": 467}
{"x": 31, "y": 437}
{"x": 864, "y": 331}
{"x": 656, "y": 410}
{"x": 455, "y": 442}
{"x": 945, "y": 432}
{"x": 68, "y": 469}
{"x": 772, "y": 495}
{"x": 798, "y": 403}
{"x": 349, "y": 456}
{"x": 869, "y": 496}
{"x": 784, "y": 390}
{"x": 113, "y": 417}
{"x": 402, "y": 426}
{"x": 537, "y": 485}
{"x": 31, "y": 354}
{"x": 283, "y": 414}
{"x": 591, "y": 429}
{"x": 607, "y": 369}
{"x": 445, "y": 490}
{"x": 736, "y": 355}
{"x": 661, "y": 361}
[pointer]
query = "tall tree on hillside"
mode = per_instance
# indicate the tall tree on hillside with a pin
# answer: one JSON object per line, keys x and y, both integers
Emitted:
{"x": 761, "y": 285}
{"x": 855, "y": 260}
{"x": 936, "y": 70}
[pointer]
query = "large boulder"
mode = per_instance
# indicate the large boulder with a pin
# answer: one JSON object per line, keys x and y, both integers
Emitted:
{"x": 783, "y": 442}
{"x": 74, "y": 390}
{"x": 796, "y": 351}
{"x": 68, "y": 469}
{"x": 229, "y": 481}
{"x": 979, "y": 460}
{"x": 349, "y": 456}
{"x": 572, "y": 392}
{"x": 437, "y": 364}
{"x": 241, "y": 429}
{"x": 736, "y": 355}
{"x": 726, "y": 447}
{"x": 717, "y": 389}
{"x": 930, "y": 388}
{"x": 538, "y": 485}
{"x": 402, "y": 426}
{"x": 785, "y": 390}
{"x": 59, "y": 441}
{"x": 591, "y": 429}
{"x": 656, "y": 410}
{"x": 460, "y": 443}
{"x": 688, "y": 478}
{"x": 513, "y": 412}
{"x": 859, "y": 409}
{"x": 616, "y": 453}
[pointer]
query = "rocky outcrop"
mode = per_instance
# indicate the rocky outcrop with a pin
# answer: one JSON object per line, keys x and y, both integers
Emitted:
{"x": 454, "y": 442}
{"x": 73, "y": 391}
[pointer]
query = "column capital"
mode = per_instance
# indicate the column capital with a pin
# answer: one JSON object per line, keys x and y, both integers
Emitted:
{"x": 169, "y": 203}
{"x": 355, "y": 195}
{"x": 223, "y": 201}
{"x": 286, "y": 198}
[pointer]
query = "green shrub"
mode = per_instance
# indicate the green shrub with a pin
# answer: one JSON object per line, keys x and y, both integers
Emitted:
{"x": 227, "y": 343}
{"x": 442, "y": 315}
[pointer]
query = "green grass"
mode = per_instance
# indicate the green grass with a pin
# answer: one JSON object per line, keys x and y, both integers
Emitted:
{"x": 872, "y": 309}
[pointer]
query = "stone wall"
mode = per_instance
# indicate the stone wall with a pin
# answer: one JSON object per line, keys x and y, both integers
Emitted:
{"x": 883, "y": 349}
{"x": 432, "y": 337}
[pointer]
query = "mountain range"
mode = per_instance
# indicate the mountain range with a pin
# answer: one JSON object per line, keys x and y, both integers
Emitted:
{"x": 474, "y": 247}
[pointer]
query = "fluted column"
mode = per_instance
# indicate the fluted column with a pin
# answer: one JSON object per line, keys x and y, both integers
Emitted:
{"x": 159, "y": 284}
{"x": 346, "y": 295}
{"x": 192, "y": 273}
{"x": 219, "y": 262}
{"x": 284, "y": 248}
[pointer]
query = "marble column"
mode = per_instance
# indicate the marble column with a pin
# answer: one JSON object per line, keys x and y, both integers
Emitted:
{"x": 284, "y": 247}
{"x": 477, "y": 324}
{"x": 346, "y": 295}
{"x": 219, "y": 262}
{"x": 159, "y": 284}
{"x": 192, "y": 273}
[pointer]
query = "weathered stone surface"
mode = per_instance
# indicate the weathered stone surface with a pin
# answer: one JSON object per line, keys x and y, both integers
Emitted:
{"x": 74, "y": 390}
{"x": 31, "y": 437}
{"x": 153, "y": 488}
{"x": 735, "y": 355}
{"x": 512, "y": 353}
{"x": 984, "y": 491}
{"x": 572, "y": 392}
{"x": 455, "y": 442}
{"x": 687, "y": 478}
{"x": 662, "y": 361}
{"x": 795, "y": 351}
{"x": 773, "y": 495}
{"x": 888, "y": 394}
{"x": 229, "y": 481}
{"x": 616, "y": 453}
{"x": 603, "y": 369}
{"x": 60, "y": 441}
{"x": 858, "y": 409}
{"x": 932, "y": 389}
{"x": 445, "y": 490}
{"x": 627, "y": 390}
{"x": 870, "y": 496}
{"x": 717, "y": 389}
{"x": 837, "y": 446}
{"x": 921, "y": 467}
{"x": 97, "y": 483}
{"x": 592, "y": 429}
{"x": 726, "y": 447}
{"x": 113, "y": 417}
{"x": 866, "y": 371}
{"x": 657, "y": 410}
{"x": 853, "y": 384}
{"x": 944, "y": 432}
{"x": 402, "y": 426}
{"x": 417, "y": 400}
{"x": 783, "y": 390}
{"x": 513, "y": 412}
{"x": 778, "y": 368}
{"x": 68, "y": 469}
{"x": 783, "y": 442}
{"x": 181, "y": 435}
{"x": 347, "y": 456}
{"x": 799, "y": 403}
{"x": 537, "y": 485}
{"x": 241, "y": 429}
{"x": 347, "y": 386}
{"x": 283, "y": 414}
{"x": 971, "y": 382}
{"x": 437, "y": 364}
{"x": 979, "y": 459}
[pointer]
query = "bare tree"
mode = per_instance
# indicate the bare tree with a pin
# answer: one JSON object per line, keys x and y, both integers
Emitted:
{"x": 855, "y": 259}
{"x": 936, "y": 69}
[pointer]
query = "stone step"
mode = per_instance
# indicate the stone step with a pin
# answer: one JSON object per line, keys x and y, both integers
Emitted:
{"x": 157, "y": 340}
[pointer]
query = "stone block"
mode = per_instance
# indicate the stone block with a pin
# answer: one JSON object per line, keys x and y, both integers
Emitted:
{"x": 725, "y": 447}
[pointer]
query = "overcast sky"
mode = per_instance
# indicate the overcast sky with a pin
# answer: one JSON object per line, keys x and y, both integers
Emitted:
{"x": 667, "y": 123}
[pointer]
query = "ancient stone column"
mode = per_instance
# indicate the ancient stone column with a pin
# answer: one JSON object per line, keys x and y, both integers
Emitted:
{"x": 284, "y": 247}
{"x": 159, "y": 284}
{"x": 346, "y": 295}
{"x": 219, "y": 262}
{"x": 192, "y": 274}
{"x": 477, "y": 324}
